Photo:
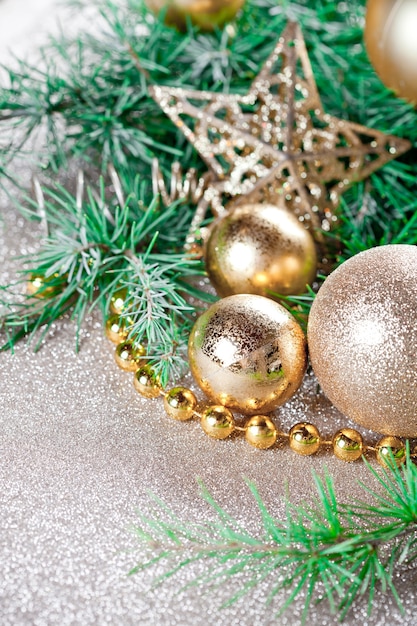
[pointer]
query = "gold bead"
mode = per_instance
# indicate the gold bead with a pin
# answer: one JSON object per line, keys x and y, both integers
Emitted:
{"x": 43, "y": 287}
{"x": 260, "y": 248}
{"x": 117, "y": 301}
{"x": 390, "y": 450}
{"x": 127, "y": 356}
{"x": 261, "y": 432}
{"x": 146, "y": 382}
{"x": 348, "y": 444}
{"x": 218, "y": 422}
{"x": 116, "y": 329}
{"x": 304, "y": 438}
{"x": 180, "y": 403}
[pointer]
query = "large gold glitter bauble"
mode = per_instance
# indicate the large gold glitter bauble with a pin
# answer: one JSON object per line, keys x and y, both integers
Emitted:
{"x": 362, "y": 336}
{"x": 260, "y": 248}
{"x": 390, "y": 37}
{"x": 207, "y": 14}
{"x": 248, "y": 353}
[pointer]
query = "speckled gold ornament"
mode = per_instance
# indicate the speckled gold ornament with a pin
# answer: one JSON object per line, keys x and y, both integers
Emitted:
{"x": 304, "y": 438}
{"x": 391, "y": 450}
{"x": 146, "y": 382}
{"x": 248, "y": 353}
{"x": 391, "y": 42}
{"x": 217, "y": 422}
{"x": 207, "y": 14}
{"x": 362, "y": 336}
{"x": 180, "y": 403}
{"x": 348, "y": 444}
{"x": 259, "y": 248}
{"x": 261, "y": 432}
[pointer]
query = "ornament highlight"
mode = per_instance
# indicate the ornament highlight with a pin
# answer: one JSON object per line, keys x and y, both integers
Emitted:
{"x": 258, "y": 249}
{"x": 248, "y": 353}
{"x": 362, "y": 337}
{"x": 390, "y": 38}
{"x": 207, "y": 14}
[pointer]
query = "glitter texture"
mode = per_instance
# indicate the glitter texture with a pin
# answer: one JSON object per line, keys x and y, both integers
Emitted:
{"x": 362, "y": 337}
{"x": 78, "y": 450}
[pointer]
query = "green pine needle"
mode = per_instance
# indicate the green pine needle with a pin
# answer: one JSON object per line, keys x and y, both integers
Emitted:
{"x": 331, "y": 550}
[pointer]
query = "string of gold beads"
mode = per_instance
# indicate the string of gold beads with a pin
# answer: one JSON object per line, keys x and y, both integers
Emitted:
{"x": 260, "y": 431}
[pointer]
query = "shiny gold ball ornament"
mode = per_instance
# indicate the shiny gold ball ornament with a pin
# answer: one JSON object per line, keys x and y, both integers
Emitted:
{"x": 248, "y": 353}
{"x": 348, "y": 445}
{"x": 116, "y": 329}
{"x": 217, "y": 422}
{"x": 362, "y": 337}
{"x": 128, "y": 356}
{"x": 180, "y": 403}
{"x": 259, "y": 248}
{"x": 261, "y": 432}
{"x": 390, "y": 38}
{"x": 146, "y": 382}
{"x": 391, "y": 450}
{"x": 207, "y": 14}
{"x": 304, "y": 438}
{"x": 44, "y": 287}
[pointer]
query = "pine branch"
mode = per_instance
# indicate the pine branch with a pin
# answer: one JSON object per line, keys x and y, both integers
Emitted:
{"x": 319, "y": 551}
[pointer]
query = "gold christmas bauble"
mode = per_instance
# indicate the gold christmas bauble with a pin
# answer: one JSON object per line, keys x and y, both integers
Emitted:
{"x": 248, "y": 353}
{"x": 391, "y": 42}
{"x": 207, "y": 14}
{"x": 260, "y": 248}
{"x": 362, "y": 337}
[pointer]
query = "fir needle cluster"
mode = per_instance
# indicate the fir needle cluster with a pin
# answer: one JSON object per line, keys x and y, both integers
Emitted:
{"x": 332, "y": 550}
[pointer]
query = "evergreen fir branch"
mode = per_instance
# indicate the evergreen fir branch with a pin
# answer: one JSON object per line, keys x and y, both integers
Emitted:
{"x": 319, "y": 551}
{"x": 96, "y": 247}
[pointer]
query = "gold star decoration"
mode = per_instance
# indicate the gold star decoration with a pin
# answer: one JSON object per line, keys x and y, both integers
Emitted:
{"x": 276, "y": 143}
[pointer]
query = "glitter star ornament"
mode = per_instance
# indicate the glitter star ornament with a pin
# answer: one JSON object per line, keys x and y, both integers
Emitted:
{"x": 275, "y": 143}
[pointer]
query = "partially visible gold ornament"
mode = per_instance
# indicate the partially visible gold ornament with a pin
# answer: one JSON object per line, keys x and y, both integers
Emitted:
{"x": 180, "y": 403}
{"x": 362, "y": 337}
{"x": 217, "y": 422}
{"x": 118, "y": 300}
{"x": 260, "y": 248}
{"x": 275, "y": 143}
{"x": 247, "y": 352}
{"x": 116, "y": 329}
{"x": 261, "y": 432}
{"x": 391, "y": 450}
{"x": 43, "y": 287}
{"x": 391, "y": 42}
{"x": 348, "y": 445}
{"x": 304, "y": 439}
{"x": 207, "y": 14}
{"x": 146, "y": 382}
{"x": 128, "y": 356}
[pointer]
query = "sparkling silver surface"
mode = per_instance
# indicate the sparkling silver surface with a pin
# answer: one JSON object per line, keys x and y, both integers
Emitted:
{"x": 78, "y": 451}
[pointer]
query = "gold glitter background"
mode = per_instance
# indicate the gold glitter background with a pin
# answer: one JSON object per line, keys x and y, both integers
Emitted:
{"x": 78, "y": 451}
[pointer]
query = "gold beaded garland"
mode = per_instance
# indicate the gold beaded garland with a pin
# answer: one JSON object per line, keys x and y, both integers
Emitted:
{"x": 118, "y": 300}
{"x": 261, "y": 432}
{"x": 348, "y": 444}
{"x": 44, "y": 287}
{"x": 180, "y": 403}
{"x": 146, "y": 382}
{"x": 304, "y": 438}
{"x": 127, "y": 356}
{"x": 217, "y": 422}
